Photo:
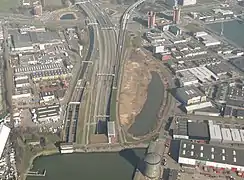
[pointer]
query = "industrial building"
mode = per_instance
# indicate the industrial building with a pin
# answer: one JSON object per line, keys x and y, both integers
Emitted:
{"x": 206, "y": 39}
{"x": 50, "y": 75}
{"x": 33, "y": 41}
{"x": 111, "y": 132}
{"x": 188, "y": 129}
{"x": 46, "y": 113}
{"x": 46, "y": 97}
{"x": 190, "y": 109}
{"x": 214, "y": 132}
{"x": 198, "y": 130}
{"x": 203, "y": 74}
{"x": 190, "y": 95}
{"x": 180, "y": 130}
{"x": 22, "y": 92}
{"x": 187, "y": 78}
{"x": 4, "y": 134}
{"x": 215, "y": 156}
{"x": 208, "y": 111}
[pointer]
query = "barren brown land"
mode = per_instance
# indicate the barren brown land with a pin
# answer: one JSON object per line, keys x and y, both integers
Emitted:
{"x": 136, "y": 78}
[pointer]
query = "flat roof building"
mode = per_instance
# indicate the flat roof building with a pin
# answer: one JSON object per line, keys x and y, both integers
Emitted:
{"x": 189, "y": 95}
{"x": 235, "y": 133}
{"x": 180, "y": 130}
{"x": 187, "y": 78}
{"x": 226, "y": 134}
{"x": 198, "y": 130}
{"x": 215, "y": 133}
{"x": 217, "y": 156}
{"x": 47, "y": 113}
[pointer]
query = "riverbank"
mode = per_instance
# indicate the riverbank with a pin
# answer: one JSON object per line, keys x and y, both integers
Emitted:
{"x": 31, "y": 161}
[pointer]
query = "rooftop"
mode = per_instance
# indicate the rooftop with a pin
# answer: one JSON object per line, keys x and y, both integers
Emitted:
{"x": 189, "y": 92}
{"x": 198, "y": 129}
{"x": 212, "y": 153}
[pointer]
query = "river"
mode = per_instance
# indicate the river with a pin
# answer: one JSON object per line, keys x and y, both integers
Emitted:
{"x": 146, "y": 120}
{"x": 233, "y": 30}
{"x": 89, "y": 166}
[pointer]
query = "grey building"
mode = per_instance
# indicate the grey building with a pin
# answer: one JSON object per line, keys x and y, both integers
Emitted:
{"x": 198, "y": 131}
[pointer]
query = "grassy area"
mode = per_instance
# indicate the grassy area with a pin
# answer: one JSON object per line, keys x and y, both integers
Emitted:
{"x": 7, "y": 5}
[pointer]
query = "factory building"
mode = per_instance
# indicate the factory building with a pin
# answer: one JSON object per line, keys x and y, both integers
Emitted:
{"x": 152, "y": 163}
{"x": 213, "y": 156}
{"x": 4, "y": 134}
{"x": 190, "y": 95}
{"x": 207, "y": 39}
{"x": 111, "y": 132}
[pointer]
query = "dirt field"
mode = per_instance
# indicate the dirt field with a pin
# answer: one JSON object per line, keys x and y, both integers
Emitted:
{"x": 134, "y": 86}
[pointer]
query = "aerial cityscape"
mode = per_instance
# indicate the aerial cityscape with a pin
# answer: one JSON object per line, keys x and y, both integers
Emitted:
{"x": 118, "y": 89}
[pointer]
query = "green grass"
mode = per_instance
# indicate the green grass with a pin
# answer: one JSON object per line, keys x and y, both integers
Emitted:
{"x": 6, "y": 5}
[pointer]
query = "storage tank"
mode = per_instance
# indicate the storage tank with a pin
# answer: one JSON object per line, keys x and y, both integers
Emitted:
{"x": 152, "y": 165}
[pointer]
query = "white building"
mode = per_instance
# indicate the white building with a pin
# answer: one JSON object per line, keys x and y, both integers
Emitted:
{"x": 46, "y": 96}
{"x": 187, "y": 78}
{"x": 48, "y": 113}
{"x": 193, "y": 154}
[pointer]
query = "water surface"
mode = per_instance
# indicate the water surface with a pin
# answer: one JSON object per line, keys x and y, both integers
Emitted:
{"x": 146, "y": 120}
{"x": 89, "y": 166}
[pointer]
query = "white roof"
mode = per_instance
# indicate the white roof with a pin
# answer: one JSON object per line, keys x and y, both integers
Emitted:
{"x": 226, "y": 134}
{"x": 4, "y": 133}
{"x": 215, "y": 132}
{"x": 242, "y": 134}
{"x": 199, "y": 106}
{"x": 235, "y": 135}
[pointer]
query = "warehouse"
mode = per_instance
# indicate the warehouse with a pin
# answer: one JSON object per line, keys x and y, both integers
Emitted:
{"x": 189, "y": 95}
{"x": 203, "y": 74}
{"x": 220, "y": 69}
{"x": 214, "y": 132}
{"x": 242, "y": 134}
{"x": 236, "y": 136}
{"x": 193, "y": 154}
{"x": 198, "y": 130}
{"x": 226, "y": 135}
{"x": 208, "y": 111}
{"x": 4, "y": 134}
{"x": 193, "y": 107}
{"x": 180, "y": 130}
{"x": 187, "y": 78}
{"x": 48, "y": 113}
{"x": 35, "y": 68}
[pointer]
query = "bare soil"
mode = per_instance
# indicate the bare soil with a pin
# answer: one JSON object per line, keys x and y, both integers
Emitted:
{"x": 136, "y": 78}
